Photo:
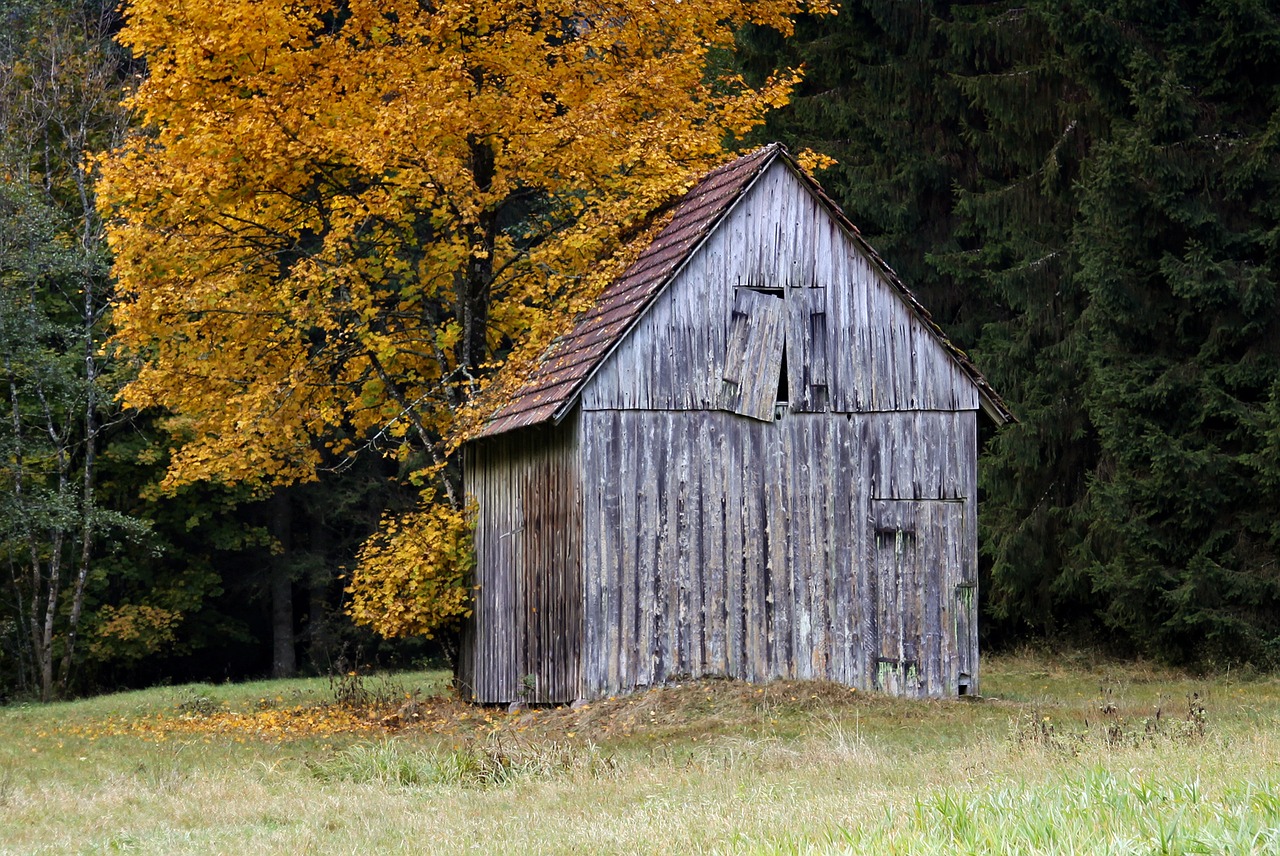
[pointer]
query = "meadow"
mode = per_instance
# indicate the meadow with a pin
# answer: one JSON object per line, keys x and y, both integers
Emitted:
{"x": 1065, "y": 753}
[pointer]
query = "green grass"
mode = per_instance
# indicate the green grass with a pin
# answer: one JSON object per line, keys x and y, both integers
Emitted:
{"x": 1065, "y": 755}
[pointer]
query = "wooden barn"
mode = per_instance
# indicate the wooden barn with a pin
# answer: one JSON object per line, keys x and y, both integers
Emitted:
{"x": 755, "y": 457}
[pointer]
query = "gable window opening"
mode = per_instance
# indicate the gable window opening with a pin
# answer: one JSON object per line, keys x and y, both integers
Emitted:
{"x": 771, "y": 290}
{"x": 782, "y": 399}
{"x": 782, "y": 396}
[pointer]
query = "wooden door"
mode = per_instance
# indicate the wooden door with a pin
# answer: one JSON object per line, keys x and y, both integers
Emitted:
{"x": 921, "y": 620}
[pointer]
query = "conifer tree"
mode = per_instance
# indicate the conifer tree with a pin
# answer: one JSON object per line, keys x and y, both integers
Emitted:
{"x": 1177, "y": 249}
{"x": 1105, "y": 226}
{"x": 1029, "y": 123}
{"x": 957, "y": 156}
{"x": 877, "y": 98}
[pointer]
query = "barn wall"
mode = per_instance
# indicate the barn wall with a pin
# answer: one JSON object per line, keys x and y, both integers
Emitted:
{"x": 852, "y": 344}
{"x": 523, "y": 641}
{"x": 681, "y": 525}
{"x": 720, "y": 545}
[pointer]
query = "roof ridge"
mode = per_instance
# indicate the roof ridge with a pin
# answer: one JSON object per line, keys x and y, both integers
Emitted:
{"x": 572, "y": 359}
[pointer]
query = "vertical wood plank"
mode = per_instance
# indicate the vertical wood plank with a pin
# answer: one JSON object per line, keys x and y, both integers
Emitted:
{"x": 737, "y": 519}
{"x": 715, "y": 509}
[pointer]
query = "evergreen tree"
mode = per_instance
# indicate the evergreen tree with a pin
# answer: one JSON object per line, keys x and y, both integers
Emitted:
{"x": 959, "y": 141}
{"x": 877, "y": 97}
{"x": 1029, "y": 122}
{"x": 1086, "y": 191}
{"x": 1177, "y": 242}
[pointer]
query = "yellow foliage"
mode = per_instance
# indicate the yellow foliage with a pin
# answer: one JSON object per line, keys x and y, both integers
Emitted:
{"x": 270, "y": 723}
{"x": 317, "y": 191}
{"x": 414, "y": 574}
{"x": 339, "y": 218}
{"x": 133, "y": 631}
{"x": 814, "y": 161}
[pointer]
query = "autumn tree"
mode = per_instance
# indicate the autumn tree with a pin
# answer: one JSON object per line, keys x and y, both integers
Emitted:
{"x": 341, "y": 216}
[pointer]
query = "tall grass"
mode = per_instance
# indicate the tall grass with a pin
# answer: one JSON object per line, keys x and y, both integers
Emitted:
{"x": 1072, "y": 756}
{"x": 492, "y": 762}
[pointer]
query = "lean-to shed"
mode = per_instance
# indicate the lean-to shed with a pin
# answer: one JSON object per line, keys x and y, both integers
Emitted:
{"x": 754, "y": 457}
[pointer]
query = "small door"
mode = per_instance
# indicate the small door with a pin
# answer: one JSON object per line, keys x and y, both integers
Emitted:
{"x": 922, "y": 623}
{"x": 895, "y": 564}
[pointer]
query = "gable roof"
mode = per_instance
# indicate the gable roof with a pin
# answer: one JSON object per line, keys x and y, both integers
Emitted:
{"x": 552, "y": 389}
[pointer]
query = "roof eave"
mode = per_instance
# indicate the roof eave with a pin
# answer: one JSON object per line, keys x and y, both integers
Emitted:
{"x": 572, "y": 401}
{"x": 989, "y": 400}
{"x": 995, "y": 410}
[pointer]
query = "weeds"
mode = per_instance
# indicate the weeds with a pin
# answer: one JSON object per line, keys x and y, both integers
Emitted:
{"x": 348, "y": 690}
{"x": 355, "y": 691}
{"x": 1111, "y": 728}
{"x": 841, "y": 741}
{"x": 484, "y": 764}
{"x": 198, "y": 705}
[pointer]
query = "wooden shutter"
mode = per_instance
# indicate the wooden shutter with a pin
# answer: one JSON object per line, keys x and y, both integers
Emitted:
{"x": 753, "y": 356}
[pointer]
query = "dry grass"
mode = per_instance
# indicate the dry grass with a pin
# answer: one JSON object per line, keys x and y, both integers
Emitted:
{"x": 1069, "y": 757}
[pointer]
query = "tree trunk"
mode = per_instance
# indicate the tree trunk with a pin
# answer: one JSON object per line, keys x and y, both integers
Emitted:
{"x": 318, "y": 596}
{"x": 475, "y": 286}
{"x": 89, "y": 473}
{"x": 283, "y": 660}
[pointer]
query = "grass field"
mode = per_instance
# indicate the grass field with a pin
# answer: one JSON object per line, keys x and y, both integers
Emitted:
{"x": 1064, "y": 755}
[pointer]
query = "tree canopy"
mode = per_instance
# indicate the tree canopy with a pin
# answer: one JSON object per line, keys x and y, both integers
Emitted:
{"x": 338, "y": 216}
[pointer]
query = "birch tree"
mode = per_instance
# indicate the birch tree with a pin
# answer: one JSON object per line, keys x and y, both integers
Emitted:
{"x": 60, "y": 84}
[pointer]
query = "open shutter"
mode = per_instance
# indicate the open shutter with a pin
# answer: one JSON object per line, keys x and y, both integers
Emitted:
{"x": 753, "y": 357}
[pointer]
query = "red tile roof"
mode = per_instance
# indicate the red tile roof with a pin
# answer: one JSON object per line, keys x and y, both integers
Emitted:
{"x": 552, "y": 389}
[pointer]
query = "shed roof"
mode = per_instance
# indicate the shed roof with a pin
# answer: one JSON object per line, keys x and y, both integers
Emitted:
{"x": 552, "y": 389}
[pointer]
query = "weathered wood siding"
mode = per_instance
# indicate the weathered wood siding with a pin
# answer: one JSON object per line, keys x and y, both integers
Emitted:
{"x": 852, "y": 344}
{"x": 685, "y": 523}
{"x": 918, "y": 588}
{"x": 524, "y": 639}
{"x": 838, "y": 541}
{"x": 719, "y": 545}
